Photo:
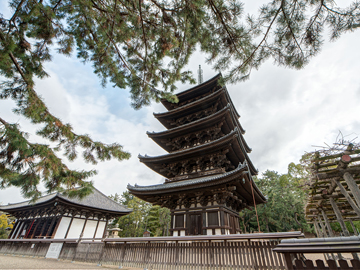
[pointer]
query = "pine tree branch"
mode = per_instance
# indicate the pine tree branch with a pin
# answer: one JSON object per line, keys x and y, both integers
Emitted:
{"x": 13, "y": 59}
{"x": 127, "y": 65}
{"x": 248, "y": 59}
{"x": 98, "y": 8}
{"x": 144, "y": 38}
{"x": 50, "y": 121}
{"x": 125, "y": 6}
{"x": 334, "y": 11}
{"x": 12, "y": 19}
{"x": 3, "y": 122}
{"x": 165, "y": 9}
{"x": 217, "y": 13}
{"x": 314, "y": 18}
{"x": 120, "y": 55}
{"x": 24, "y": 164}
{"x": 47, "y": 17}
{"x": 290, "y": 28}
{"x": 56, "y": 5}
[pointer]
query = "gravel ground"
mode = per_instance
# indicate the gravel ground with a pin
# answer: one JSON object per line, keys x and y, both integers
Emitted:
{"x": 19, "y": 262}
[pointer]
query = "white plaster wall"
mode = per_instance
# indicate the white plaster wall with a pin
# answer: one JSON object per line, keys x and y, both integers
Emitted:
{"x": 90, "y": 229}
{"x": 63, "y": 226}
{"x": 175, "y": 233}
{"x": 209, "y": 231}
{"x": 24, "y": 229}
{"x": 182, "y": 233}
{"x": 76, "y": 228}
{"x": 217, "y": 231}
{"x": 100, "y": 229}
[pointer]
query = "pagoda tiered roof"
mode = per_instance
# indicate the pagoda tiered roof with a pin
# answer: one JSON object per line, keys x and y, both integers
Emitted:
{"x": 229, "y": 143}
{"x": 223, "y": 117}
{"x": 194, "y": 93}
{"x": 199, "y": 109}
{"x": 239, "y": 177}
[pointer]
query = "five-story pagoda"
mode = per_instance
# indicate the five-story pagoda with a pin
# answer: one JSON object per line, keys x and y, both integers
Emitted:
{"x": 207, "y": 169}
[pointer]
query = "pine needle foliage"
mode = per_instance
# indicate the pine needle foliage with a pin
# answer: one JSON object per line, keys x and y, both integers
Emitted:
{"x": 143, "y": 46}
{"x": 286, "y": 198}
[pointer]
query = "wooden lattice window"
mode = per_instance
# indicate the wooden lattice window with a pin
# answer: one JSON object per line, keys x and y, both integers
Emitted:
{"x": 179, "y": 221}
{"x": 213, "y": 219}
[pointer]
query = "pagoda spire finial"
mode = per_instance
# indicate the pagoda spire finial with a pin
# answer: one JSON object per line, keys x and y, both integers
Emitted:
{"x": 200, "y": 75}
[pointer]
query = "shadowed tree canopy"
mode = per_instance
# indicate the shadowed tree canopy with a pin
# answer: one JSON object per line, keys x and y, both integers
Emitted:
{"x": 286, "y": 198}
{"x": 144, "y": 217}
{"x": 142, "y": 46}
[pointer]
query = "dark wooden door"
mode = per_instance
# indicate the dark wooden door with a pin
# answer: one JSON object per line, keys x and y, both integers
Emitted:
{"x": 232, "y": 225}
{"x": 195, "y": 224}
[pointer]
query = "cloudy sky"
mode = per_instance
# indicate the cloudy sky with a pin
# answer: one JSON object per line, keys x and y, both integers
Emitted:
{"x": 284, "y": 112}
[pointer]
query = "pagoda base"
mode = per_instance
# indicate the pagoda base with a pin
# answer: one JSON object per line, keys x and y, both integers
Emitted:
{"x": 212, "y": 219}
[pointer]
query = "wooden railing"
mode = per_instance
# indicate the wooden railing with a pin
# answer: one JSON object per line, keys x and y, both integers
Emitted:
{"x": 293, "y": 250}
{"x": 244, "y": 251}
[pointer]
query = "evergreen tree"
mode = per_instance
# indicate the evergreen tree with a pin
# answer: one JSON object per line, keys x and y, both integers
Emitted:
{"x": 158, "y": 221}
{"x": 144, "y": 217}
{"x": 142, "y": 46}
{"x": 286, "y": 198}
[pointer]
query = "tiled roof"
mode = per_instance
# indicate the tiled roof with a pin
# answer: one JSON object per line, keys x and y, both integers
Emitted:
{"x": 190, "y": 124}
{"x": 187, "y": 106}
{"x": 193, "y": 90}
{"x": 95, "y": 200}
{"x": 233, "y": 133}
{"x": 184, "y": 183}
{"x": 27, "y": 203}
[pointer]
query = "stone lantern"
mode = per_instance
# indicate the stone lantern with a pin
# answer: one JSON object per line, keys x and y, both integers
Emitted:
{"x": 114, "y": 232}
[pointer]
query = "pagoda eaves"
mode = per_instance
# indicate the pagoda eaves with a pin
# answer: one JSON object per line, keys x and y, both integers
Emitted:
{"x": 198, "y": 109}
{"x": 238, "y": 177}
{"x": 214, "y": 157}
{"x": 194, "y": 93}
{"x": 210, "y": 128}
